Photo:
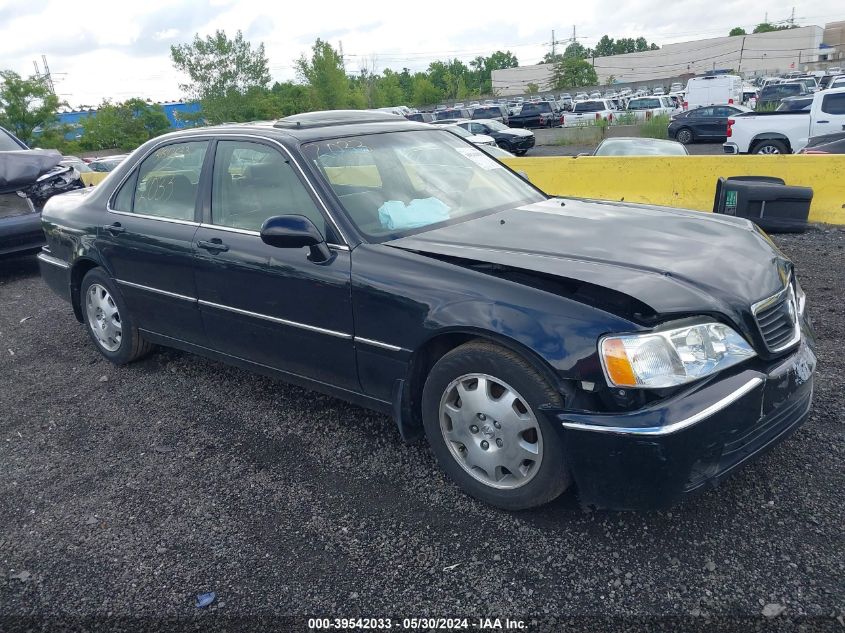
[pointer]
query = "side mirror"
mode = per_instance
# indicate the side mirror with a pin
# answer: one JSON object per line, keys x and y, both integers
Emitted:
{"x": 295, "y": 231}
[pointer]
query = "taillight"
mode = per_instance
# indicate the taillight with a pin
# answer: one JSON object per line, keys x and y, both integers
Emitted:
{"x": 598, "y": 116}
{"x": 610, "y": 117}
{"x": 730, "y": 101}
{"x": 686, "y": 105}
{"x": 730, "y": 131}
{"x": 561, "y": 119}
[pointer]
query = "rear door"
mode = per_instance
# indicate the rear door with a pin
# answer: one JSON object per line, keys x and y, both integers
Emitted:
{"x": 147, "y": 240}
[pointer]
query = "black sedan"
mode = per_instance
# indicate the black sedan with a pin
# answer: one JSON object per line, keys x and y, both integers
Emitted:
{"x": 536, "y": 342}
{"x": 826, "y": 144}
{"x": 514, "y": 140}
{"x": 709, "y": 123}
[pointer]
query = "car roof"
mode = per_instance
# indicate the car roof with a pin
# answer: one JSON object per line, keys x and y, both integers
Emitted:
{"x": 311, "y": 126}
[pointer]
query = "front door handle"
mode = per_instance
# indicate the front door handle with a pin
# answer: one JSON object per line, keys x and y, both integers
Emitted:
{"x": 114, "y": 229}
{"x": 822, "y": 121}
{"x": 215, "y": 245}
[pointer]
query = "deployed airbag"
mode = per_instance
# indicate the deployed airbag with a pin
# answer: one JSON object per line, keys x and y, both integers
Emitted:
{"x": 394, "y": 214}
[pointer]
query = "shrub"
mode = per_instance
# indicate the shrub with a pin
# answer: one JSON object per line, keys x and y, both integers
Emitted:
{"x": 656, "y": 127}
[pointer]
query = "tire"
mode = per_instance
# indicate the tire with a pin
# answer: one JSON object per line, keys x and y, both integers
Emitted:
{"x": 109, "y": 324}
{"x": 521, "y": 152}
{"x": 505, "y": 146}
{"x": 771, "y": 146}
{"x": 517, "y": 435}
{"x": 685, "y": 136}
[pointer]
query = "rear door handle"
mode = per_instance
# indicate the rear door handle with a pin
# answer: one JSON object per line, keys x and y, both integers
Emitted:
{"x": 822, "y": 121}
{"x": 215, "y": 245}
{"x": 114, "y": 229}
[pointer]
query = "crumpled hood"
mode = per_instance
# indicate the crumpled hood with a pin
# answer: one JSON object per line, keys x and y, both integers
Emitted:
{"x": 674, "y": 261}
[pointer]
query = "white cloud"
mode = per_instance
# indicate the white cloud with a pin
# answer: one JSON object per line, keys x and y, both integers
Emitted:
{"x": 106, "y": 49}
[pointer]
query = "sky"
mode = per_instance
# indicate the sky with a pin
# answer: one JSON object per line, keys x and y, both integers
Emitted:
{"x": 116, "y": 49}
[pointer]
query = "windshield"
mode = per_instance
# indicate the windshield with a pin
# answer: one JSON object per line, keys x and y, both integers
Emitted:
{"x": 496, "y": 126}
{"x": 589, "y": 106}
{"x": 399, "y": 183}
{"x": 7, "y": 144}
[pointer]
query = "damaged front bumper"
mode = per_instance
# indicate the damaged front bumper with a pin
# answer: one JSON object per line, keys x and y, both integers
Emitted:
{"x": 654, "y": 457}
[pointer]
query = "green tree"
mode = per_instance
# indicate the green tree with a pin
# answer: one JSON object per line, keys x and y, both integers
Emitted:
{"x": 574, "y": 51}
{"x": 325, "y": 73}
{"x": 500, "y": 60}
{"x": 424, "y": 92}
{"x": 604, "y": 47}
{"x": 123, "y": 125}
{"x": 737, "y": 30}
{"x": 548, "y": 58}
{"x": 26, "y": 105}
{"x": 291, "y": 98}
{"x": 532, "y": 88}
{"x": 573, "y": 73}
{"x": 221, "y": 73}
{"x": 768, "y": 27}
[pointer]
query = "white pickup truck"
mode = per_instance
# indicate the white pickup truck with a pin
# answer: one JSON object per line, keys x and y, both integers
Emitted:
{"x": 786, "y": 132}
{"x": 590, "y": 113}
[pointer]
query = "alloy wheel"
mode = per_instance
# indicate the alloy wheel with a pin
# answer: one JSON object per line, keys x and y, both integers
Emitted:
{"x": 491, "y": 431}
{"x": 768, "y": 149}
{"x": 103, "y": 317}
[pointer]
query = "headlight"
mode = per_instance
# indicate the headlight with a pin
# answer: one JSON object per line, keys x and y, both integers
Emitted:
{"x": 670, "y": 357}
{"x": 800, "y": 297}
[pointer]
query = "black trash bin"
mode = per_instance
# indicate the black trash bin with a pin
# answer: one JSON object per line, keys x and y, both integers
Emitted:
{"x": 766, "y": 201}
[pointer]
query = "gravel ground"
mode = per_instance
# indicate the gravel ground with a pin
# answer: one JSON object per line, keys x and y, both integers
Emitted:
{"x": 696, "y": 149}
{"x": 125, "y": 492}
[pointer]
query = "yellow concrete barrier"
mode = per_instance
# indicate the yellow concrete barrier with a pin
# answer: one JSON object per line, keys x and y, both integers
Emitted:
{"x": 91, "y": 178}
{"x": 687, "y": 182}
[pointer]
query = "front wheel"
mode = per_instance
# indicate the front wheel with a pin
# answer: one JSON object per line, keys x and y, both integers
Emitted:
{"x": 684, "y": 136}
{"x": 108, "y": 321}
{"x": 482, "y": 419}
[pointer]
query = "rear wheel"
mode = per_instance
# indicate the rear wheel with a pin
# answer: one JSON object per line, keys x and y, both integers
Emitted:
{"x": 771, "y": 147}
{"x": 108, "y": 321}
{"x": 482, "y": 419}
{"x": 684, "y": 136}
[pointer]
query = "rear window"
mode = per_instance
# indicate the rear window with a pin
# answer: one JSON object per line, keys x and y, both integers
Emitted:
{"x": 643, "y": 104}
{"x": 589, "y": 106}
{"x": 535, "y": 108}
{"x": 779, "y": 91}
{"x": 486, "y": 113}
{"x": 448, "y": 114}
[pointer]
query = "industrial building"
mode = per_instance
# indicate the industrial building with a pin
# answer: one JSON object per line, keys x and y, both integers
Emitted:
{"x": 804, "y": 48}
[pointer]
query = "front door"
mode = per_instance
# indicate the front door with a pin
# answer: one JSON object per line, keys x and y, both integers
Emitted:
{"x": 265, "y": 304}
{"x": 147, "y": 240}
{"x": 829, "y": 116}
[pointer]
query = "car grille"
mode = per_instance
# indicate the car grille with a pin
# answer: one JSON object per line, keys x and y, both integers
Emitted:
{"x": 777, "y": 318}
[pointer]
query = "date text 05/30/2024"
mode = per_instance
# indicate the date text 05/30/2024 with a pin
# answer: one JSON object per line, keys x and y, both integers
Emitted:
{"x": 409, "y": 624}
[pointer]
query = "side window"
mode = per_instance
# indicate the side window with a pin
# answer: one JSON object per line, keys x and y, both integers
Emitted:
{"x": 167, "y": 181}
{"x": 834, "y": 104}
{"x": 253, "y": 182}
{"x": 123, "y": 200}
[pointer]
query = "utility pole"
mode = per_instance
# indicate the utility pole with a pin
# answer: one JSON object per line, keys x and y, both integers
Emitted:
{"x": 553, "y": 44}
{"x": 741, "y": 49}
{"x": 47, "y": 74}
